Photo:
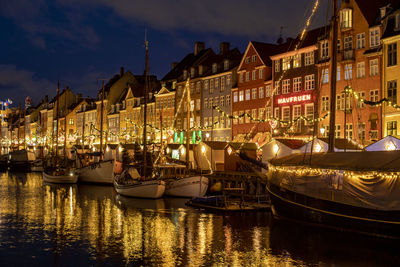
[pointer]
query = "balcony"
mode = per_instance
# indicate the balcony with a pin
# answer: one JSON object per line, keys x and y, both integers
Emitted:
{"x": 348, "y": 55}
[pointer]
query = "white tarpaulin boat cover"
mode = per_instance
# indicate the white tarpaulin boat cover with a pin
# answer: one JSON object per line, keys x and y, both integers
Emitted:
{"x": 364, "y": 179}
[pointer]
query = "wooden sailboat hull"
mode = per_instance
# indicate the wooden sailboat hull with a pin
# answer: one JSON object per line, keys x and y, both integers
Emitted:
{"x": 288, "y": 204}
{"x": 101, "y": 172}
{"x": 60, "y": 179}
{"x": 194, "y": 186}
{"x": 142, "y": 189}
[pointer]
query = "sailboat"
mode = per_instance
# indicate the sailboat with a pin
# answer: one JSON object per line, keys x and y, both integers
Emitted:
{"x": 354, "y": 191}
{"x": 130, "y": 183}
{"x": 57, "y": 170}
{"x": 102, "y": 171}
{"x": 179, "y": 181}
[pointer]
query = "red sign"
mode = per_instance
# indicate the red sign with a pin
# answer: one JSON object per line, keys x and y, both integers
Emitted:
{"x": 294, "y": 99}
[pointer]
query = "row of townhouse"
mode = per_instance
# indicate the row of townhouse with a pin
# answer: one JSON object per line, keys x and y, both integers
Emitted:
{"x": 271, "y": 83}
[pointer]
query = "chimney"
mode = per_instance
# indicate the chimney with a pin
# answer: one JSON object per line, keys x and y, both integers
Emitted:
{"x": 223, "y": 48}
{"x": 173, "y": 65}
{"x": 121, "y": 71}
{"x": 198, "y": 47}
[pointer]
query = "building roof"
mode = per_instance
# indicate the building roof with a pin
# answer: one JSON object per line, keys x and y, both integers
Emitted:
{"x": 342, "y": 143}
{"x": 292, "y": 143}
{"x": 371, "y": 9}
{"x": 265, "y": 50}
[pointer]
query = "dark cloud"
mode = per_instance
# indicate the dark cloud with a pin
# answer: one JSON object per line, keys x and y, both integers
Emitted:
{"x": 17, "y": 84}
{"x": 227, "y": 17}
{"x": 37, "y": 19}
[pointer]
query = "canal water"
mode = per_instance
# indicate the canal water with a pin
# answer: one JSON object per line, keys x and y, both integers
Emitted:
{"x": 80, "y": 225}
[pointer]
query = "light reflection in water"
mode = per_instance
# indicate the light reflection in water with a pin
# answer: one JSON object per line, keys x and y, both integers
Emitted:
{"x": 86, "y": 224}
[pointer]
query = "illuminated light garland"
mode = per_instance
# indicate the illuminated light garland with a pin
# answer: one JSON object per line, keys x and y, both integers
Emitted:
{"x": 379, "y": 103}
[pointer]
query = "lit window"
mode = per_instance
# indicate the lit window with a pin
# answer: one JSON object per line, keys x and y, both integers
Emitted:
{"x": 286, "y": 63}
{"x": 325, "y": 76}
{"x": 235, "y": 97}
{"x": 241, "y": 95}
{"x": 348, "y": 72}
{"x": 297, "y": 61}
{"x": 247, "y": 94}
{"x": 346, "y": 18}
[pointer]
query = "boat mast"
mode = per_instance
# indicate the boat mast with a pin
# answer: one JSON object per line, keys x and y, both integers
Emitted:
{"x": 146, "y": 44}
{"x": 188, "y": 123}
{"x": 65, "y": 124}
{"x": 83, "y": 130}
{"x": 332, "y": 115}
{"x": 58, "y": 106}
{"x": 101, "y": 121}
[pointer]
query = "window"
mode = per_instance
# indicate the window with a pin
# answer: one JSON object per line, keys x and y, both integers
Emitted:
{"x": 191, "y": 72}
{"x": 309, "y": 58}
{"x": 260, "y": 113}
{"x": 374, "y": 37}
{"x": 216, "y": 83}
{"x": 253, "y": 75}
{"x": 228, "y": 81}
{"x": 241, "y": 77}
{"x": 360, "y": 40}
{"x": 247, "y": 76}
{"x": 191, "y": 105}
{"x": 205, "y": 103}
{"x": 286, "y": 63}
{"x": 309, "y": 82}
{"x": 222, "y": 122}
{"x": 253, "y": 58}
{"x": 191, "y": 88}
{"x": 338, "y": 45}
{"x": 216, "y": 101}
{"x": 71, "y": 121}
{"x": 297, "y": 61}
{"x": 276, "y": 89}
{"x": 374, "y": 95}
{"x": 340, "y": 102}
{"x": 241, "y": 117}
{"x": 185, "y": 74}
{"x": 326, "y": 131}
{"x": 276, "y": 113}
{"x": 198, "y": 87}
{"x": 297, "y": 84}
{"x": 277, "y": 65}
{"x": 222, "y": 83}
{"x": 324, "y": 49}
{"x": 391, "y": 128}
{"x": 241, "y": 95}
{"x": 222, "y": 101}
{"x": 361, "y": 131}
{"x": 247, "y": 94}
{"x": 267, "y": 113}
{"x": 285, "y": 86}
{"x": 198, "y": 104}
{"x": 226, "y": 64}
{"x": 254, "y": 93}
{"x": 267, "y": 90}
{"x": 247, "y": 60}
{"x": 325, "y": 76}
{"x": 348, "y": 43}
{"x": 261, "y": 92}
{"x": 211, "y": 86}
{"x": 214, "y": 67}
{"x": 349, "y": 131}
{"x": 285, "y": 113}
{"x": 392, "y": 91}
{"x": 337, "y": 131}
{"x": 338, "y": 73}
{"x": 361, "y": 104}
{"x": 392, "y": 54}
{"x": 247, "y": 119}
{"x": 235, "y": 97}
{"x": 234, "y": 117}
{"x": 228, "y": 100}
{"x": 309, "y": 113}
{"x": 360, "y": 69}
{"x": 348, "y": 71}
{"x": 296, "y": 112}
{"x": 346, "y": 18}
{"x": 373, "y": 67}
{"x": 254, "y": 114}
{"x": 261, "y": 74}
{"x": 325, "y": 103}
{"x": 205, "y": 85}
{"x": 210, "y": 102}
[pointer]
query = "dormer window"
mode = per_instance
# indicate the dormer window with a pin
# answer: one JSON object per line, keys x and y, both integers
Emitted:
{"x": 192, "y": 73}
{"x": 200, "y": 70}
{"x": 374, "y": 38}
{"x": 346, "y": 18}
{"x": 226, "y": 64}
{"x": 185, "y": 74}
{"x": 253, "y": 58}
{"x": 214, "y": 67}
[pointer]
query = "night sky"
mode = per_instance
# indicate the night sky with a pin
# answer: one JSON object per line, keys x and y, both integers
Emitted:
{"x": 81, "y": 41}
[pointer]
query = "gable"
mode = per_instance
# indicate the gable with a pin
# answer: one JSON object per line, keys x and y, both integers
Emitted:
{"x": 163, "y": 90}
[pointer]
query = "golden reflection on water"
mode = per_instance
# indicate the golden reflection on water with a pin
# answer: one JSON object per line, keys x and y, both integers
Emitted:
{"x": 161, "y": 232}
